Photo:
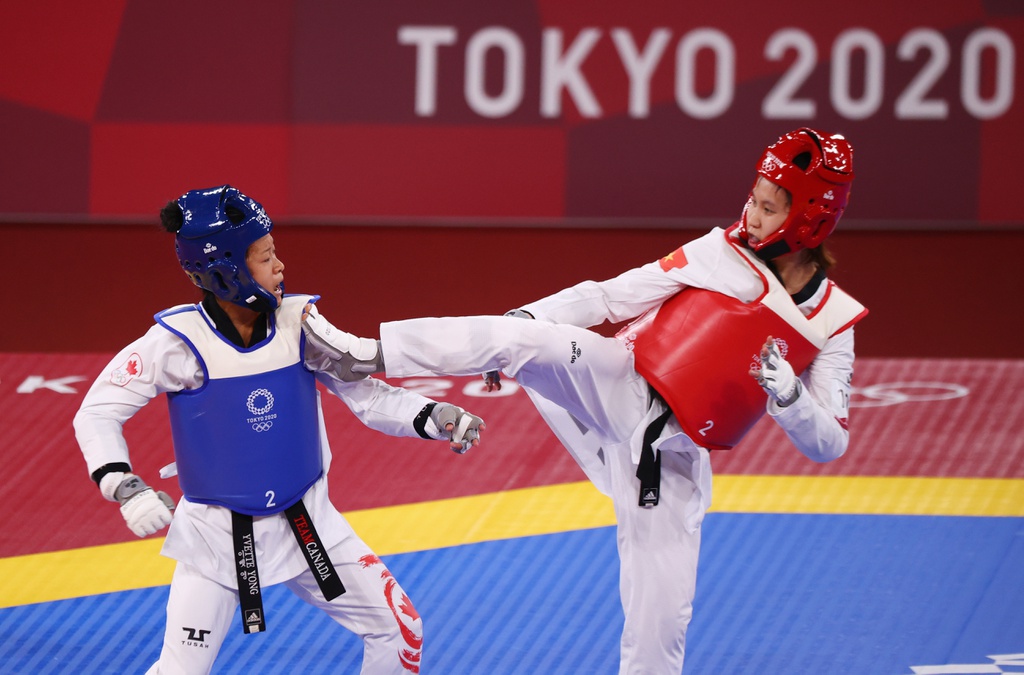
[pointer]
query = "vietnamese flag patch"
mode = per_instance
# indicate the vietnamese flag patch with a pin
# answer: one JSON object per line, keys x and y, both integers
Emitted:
{"x": 676, "y": 259}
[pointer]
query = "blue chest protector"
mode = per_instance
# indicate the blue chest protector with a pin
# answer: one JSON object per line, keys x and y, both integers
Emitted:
{"x": 249, "y": 438}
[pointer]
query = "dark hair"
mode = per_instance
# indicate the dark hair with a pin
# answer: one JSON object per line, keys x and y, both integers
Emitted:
{"x": 820, "y": 256}
{"x": 171, "y": 217}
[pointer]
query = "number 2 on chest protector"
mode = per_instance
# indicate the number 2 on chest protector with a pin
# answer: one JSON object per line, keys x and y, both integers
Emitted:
{"x": 270, "y": 498}
{"x": 705, "y": 429}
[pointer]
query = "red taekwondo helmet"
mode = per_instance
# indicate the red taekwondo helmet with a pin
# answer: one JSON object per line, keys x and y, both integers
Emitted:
{"x": 817, "y": 171}
{"x": 219, "y": 225}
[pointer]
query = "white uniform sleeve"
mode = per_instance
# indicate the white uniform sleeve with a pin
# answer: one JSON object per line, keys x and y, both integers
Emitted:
{"x": 816, "y": 421}
{"x": 167, "y": 364}
{"x": 633, "y": 292}
{"x": 380, "y": 406}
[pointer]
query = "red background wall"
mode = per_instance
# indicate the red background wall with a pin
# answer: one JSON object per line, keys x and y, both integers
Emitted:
{"x": 95, "y": 288}
{"x": 110, "y": 108}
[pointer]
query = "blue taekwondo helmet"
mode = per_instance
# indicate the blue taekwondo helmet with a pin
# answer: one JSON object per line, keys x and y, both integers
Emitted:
{"x": 211, "y": 245}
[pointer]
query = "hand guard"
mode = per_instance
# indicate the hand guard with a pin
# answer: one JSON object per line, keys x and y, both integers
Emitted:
{"x": 776, "y": 376}
{"x": 460, "y": 428}
{"x": 145, "y": 510}
{"x": 354, "y": 358}
{"x": 492, "y": 379}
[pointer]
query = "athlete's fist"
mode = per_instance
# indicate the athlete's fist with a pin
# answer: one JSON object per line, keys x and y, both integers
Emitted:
{"x": 145, "y": 510}
{"x": 776, "y": 376}
{"x": 460, "y": 428}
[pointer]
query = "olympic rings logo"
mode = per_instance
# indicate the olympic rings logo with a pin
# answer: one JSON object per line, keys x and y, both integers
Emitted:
{"x": 260, "y": 427}
{"x": 893, "y": 393}
{"x": 251, "y": 402}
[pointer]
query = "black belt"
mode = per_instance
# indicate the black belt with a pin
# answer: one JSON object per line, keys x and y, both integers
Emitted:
{"x": 312, "y": 548}
{"x": 649, "y": 469}
{"x": 250, "y": 595}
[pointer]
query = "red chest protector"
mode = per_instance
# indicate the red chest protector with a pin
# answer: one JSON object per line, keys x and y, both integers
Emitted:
{"x": 696, "y": 349}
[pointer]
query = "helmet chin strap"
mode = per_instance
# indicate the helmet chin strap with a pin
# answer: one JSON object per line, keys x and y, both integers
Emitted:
{"x": 263, "y": 301}
{"x": 261, "y": 304}
{"x": 773, "y": 250}
{"x": 769, "y": 252}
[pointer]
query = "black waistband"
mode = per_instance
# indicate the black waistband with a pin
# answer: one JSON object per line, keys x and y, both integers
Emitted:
{"x": 649, "y": 469}
{"x": 250, "y": 595}
{"x": 313, "y": 549}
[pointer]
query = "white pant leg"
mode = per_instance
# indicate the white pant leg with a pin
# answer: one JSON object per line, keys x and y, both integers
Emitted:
{"x": 373, "y": 606}
{"x": 658, "y": 564}
{"x": 589, "y": 375}
{"x": 599, "y": 387}
{"x": 199, "y": 612}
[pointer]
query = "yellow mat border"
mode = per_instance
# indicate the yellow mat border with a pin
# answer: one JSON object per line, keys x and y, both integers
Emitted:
{"x": 524, "y": 512}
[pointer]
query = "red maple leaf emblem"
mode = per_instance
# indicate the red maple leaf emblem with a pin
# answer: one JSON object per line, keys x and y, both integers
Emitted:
{"x": 127, "y": 371}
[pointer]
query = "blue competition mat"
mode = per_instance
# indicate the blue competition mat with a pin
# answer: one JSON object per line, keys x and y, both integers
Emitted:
{"x": 777, "y": 594}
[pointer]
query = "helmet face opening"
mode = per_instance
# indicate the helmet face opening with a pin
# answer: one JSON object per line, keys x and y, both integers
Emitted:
{"x": 816, "y": 170}
{"x": 219, "y": 225}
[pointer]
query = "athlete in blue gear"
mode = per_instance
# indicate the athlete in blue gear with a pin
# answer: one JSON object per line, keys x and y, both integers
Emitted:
{"x": 239, "y": 370}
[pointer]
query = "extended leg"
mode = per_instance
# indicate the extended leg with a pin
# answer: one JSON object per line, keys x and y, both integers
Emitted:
{"x": 591, "y": 376}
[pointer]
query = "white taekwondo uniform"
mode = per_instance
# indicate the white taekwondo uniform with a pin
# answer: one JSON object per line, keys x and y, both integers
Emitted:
{"x": 587, "y": 387}
{"x": 204, "y": 593}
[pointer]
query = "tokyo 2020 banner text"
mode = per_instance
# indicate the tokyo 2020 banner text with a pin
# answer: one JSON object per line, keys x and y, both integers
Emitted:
{"x": 643, "y": 113}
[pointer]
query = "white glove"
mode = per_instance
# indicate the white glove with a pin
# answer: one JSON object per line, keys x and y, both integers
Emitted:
{"x": 492, "y": 378}
{"x": 354, "y": 358}
{"x": 145, "y": 510}
{"x": 776, "y": 376}
{"x": 460, "y": 428}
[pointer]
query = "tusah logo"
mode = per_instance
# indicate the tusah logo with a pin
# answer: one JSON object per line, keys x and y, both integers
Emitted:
{"x": 196, "y": 637}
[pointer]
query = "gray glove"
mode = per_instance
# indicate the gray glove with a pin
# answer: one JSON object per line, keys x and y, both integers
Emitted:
{"x": 354, "y": 358}
{"x": 145, "y": 510}
{"x": 460, "y": 428}
{"x": 492, "y": 379}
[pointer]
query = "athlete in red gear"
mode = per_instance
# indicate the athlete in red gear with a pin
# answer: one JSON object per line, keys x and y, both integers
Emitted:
{"x": 733, "y": 324}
